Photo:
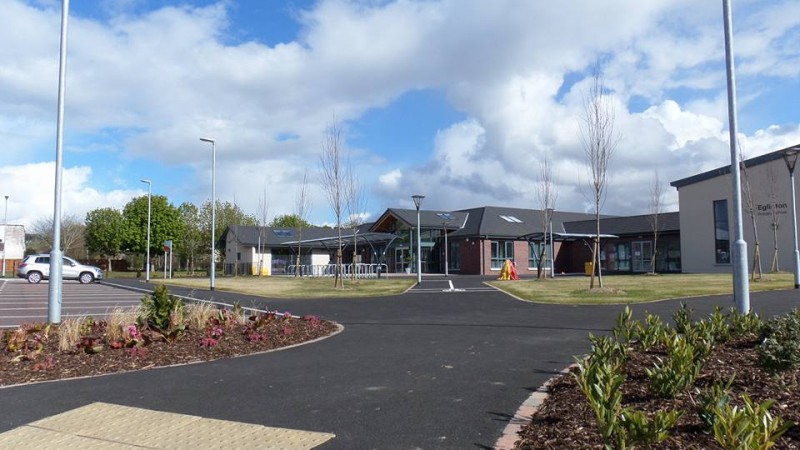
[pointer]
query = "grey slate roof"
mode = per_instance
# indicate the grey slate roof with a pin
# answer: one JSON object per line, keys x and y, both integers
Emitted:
{"x": 272, "y": 237}
{"x": 488, "y": 221}
{"x": 622, "y": 226}
{"x": 725, "y": 170}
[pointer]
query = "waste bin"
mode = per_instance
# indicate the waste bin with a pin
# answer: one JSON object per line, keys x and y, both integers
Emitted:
{"x": 588, "y": 268}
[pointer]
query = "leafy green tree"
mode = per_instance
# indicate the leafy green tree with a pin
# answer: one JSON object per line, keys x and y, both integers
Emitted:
{"x": 289, "y": 221}
{"x": 227, "y": 214}
{"x": 102, "y": 232}
{"x": 165, "y": 224}
{"x": 191, "y": 243}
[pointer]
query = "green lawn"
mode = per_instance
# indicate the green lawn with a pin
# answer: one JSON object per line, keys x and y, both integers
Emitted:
{"x": 634, "y": 288}
{"x": 291, "y": 287}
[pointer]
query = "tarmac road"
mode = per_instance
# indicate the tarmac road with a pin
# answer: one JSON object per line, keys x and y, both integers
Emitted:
{"x": 426, "y": 369}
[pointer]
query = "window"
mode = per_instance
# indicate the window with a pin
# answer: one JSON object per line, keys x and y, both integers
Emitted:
{"x": 534, "y": 251}
{"x": 722, "y": 243}
{"x": 511, "y": 219}
{"x": 623, "y": 257}
{"x": 501, "y": 251}
{"x": 446, "y": 216}
{"x": 454, "y": 255}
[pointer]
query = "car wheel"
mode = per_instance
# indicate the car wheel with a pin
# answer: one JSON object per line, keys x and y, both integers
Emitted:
{"x": 34, "y": 277}
{"x": 86, "y": 278}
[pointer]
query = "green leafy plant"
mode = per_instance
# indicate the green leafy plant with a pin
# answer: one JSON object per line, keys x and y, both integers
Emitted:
{"x": 600, "y": 381}
{"x": 720, "y": 328}
{"x": 162, "y": 313}
{"x": 780, "y": 346}
{"x": 717, "y": 396}
{"x": 28, "y": 341}
{"x": 750, "y": 427}
{"x": 605, "y": 348}
{"x": 638, "y": 428}
{"x": 744, "y": 325}
{"x": 701, "y": 336}
{"x": 683, "y": 318}
{"x": 652, "y": 332}
{"x": 625, "y": 329}
{"x": 678, "y": 371}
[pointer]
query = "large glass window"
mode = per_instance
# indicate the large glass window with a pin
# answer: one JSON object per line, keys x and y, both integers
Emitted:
{"x": 623, "y": 257}
{"x": 722, "y": 243}
{"x": 454, "y": 255}
{"x": 501, "y": 251}
{"x": 534, "y": 253}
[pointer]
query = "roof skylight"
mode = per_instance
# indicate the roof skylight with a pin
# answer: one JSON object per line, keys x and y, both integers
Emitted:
{"x": 510, "y": 219}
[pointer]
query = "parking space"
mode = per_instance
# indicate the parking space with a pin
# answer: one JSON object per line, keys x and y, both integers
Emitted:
{"x": 22, "y": 302}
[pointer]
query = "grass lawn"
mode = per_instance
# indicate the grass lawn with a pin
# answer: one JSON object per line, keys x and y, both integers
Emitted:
{"x": 291, "y": 287}
{"x": 634, "y": 288}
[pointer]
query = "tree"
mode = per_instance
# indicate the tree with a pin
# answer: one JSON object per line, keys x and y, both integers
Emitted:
{"x": 747, "y": 194}
{"x": 302, "y": 207}
{"x": 263, "y": 209}
{"x": 656, "y": 209}
{"x": 547, "y": 195}
{"x": 102, "y": 232}
{"x": 333, "y": 183}
{"x": 356, "y": 204}
{"x": 772, "y": 194}
{"x": 72, "y": 240}
{"x": 227, "y": 214}
{"x": 165, "y": 224}
{"x": 289, "y": 221}
{"x": 190, "y": 243}
{"x": 599, "y": 141}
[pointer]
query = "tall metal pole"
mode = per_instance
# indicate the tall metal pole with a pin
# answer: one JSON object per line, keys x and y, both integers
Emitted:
{"x": 552, "y": 251}
{"x": 54, "y": 289}
{"x": 741, "y": 286}
{"x": 213, "y": 207}
{"x": 790, "y": 156}
{"x": 149, "y": 205}
{"x": 444, "y": 227}
{"x": 5, "y": 237}
{"x": 418, "y": 202}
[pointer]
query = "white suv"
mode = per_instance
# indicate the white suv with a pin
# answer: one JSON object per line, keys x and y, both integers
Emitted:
{"x": 35, "y": 268}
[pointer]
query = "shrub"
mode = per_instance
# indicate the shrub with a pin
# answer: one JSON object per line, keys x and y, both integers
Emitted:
{"x": 683, "y": 318}
{"x": 27, "y": 341}
{"x": 700, "y": 335}
{"x": 720, "y": 329}
{"x": 676, "y": 373}
{"x": 780, "y": 348}
{"x": 606, "y": 349}
{"x": 640, "y": 429}
{"x": 749, "y": 427}
{"x": 625, "y": 329}
{"x": 715, "y": 397}
{"x": 163, "y": 313}
{"x": 744, "y": 325}
{"x": 600, "y": 381}
{"x": 652, "y": 332}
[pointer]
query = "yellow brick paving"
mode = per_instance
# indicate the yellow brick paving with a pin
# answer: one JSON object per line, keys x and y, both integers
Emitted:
{"x": 107, "y": 426}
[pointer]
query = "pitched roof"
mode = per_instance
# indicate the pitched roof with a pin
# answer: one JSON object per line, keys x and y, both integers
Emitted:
{"x": 511, "y": 223}
{"x": 427, "y": 218}
{"x": 621, "y": 226}
{"x": 269, "y": 236}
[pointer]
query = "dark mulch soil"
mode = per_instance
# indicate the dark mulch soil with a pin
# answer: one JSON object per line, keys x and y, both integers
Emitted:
{"x": 565, "y": 420}
{"x": 52, "y": 364}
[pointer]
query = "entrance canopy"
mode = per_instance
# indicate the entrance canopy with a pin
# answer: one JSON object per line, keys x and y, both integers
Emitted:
{"x": 370, "y": 238}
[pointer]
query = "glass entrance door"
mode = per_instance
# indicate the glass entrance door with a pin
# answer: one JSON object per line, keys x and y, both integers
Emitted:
{"x": 402, "y": 259}
{"x": 642, "y": 256}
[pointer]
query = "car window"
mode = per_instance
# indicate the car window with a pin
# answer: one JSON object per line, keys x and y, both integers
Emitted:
{"x": 43, "y": 260}
{"x": 69, "y": 262}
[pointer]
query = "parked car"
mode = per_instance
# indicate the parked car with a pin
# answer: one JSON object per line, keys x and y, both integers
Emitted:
{"x": 36, "y": 268}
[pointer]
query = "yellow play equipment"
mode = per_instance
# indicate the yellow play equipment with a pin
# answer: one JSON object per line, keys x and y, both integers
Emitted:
{"x": 509, "y": 271}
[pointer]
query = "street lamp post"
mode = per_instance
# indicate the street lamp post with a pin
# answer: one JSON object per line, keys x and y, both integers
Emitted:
{"x": 444, "y": 228}
{"x": 5, "y": 237}
{"x": 418, "y": 202}
{"x": 149, "y": 206}
{"x": 213, "y": 205}
{"x": 790, "y": 156}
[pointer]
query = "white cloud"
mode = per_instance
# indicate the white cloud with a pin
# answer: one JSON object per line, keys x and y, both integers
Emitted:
{"x": 514, "y": 69}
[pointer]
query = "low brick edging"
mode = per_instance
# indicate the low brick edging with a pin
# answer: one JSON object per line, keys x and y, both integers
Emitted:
{"x": 525, "y": 412}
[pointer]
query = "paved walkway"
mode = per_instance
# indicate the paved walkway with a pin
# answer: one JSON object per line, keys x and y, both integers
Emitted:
{"x": 428, "y": 369}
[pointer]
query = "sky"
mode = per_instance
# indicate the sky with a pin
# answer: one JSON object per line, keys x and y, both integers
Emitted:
{"x": 458, "y": 100}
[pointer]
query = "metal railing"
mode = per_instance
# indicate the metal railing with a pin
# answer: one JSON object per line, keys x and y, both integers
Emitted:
{"x": 329, "y": 270}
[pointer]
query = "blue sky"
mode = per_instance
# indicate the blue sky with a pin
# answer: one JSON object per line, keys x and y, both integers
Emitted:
{"x": 459, "y": 100}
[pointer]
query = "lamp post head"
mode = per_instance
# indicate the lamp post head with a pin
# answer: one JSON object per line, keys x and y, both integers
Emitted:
{"x": 417, "y": 200}
{"x": 145, "y": 181}
{"x": 207, "y": 140}
{"x": 790, "y": 157}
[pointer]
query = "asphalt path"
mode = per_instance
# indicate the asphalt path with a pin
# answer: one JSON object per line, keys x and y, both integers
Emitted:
{"x": 426, "y": 369}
